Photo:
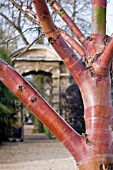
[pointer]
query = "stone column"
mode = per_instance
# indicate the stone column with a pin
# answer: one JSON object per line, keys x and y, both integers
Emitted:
{"x": 56, "y": 89}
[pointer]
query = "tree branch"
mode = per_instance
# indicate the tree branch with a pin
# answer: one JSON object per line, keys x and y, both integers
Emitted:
{"x": 19, "y": 18}
{"x": 56, "y": 6}
{"x": 63, "y": 50}
{"x": 25, "y": 13}
{"x": 26, "y": 49}
{"x": 12, "y": 23}
{"x": 17, "y": 28}
{"x": 107, "y": 56}
{"x": 32, "y": 99}
{"x": 74, "y": 44}
{"x": 98, "y": 25}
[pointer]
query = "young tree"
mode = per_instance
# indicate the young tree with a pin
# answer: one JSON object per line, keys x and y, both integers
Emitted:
{"x": 94, "y": 149}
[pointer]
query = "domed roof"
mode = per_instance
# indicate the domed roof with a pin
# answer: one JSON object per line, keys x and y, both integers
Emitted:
{"x": 36, "y": 53}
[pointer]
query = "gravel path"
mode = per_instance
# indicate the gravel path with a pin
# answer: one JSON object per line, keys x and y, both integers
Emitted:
{"x": 37, "y": 152}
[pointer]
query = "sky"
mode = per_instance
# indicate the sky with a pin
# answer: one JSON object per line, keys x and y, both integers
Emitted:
{"x": 110, "y": 17}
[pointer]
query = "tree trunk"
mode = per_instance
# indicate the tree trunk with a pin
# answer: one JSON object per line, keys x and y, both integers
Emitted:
{"x": 98, "y": 117}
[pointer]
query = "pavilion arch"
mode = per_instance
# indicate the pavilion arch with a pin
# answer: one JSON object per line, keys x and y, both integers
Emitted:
{"x": 41, "y": 58}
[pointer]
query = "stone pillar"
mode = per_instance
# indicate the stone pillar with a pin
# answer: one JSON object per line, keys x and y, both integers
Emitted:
{"x": 64, "y": 83}
{"x": 56, "y": 89}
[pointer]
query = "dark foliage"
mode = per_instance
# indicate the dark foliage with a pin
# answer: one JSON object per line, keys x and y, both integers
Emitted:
{"x": 7, "y": 106}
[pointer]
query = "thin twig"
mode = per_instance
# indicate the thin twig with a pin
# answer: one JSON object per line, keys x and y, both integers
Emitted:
{"x": 25, "y": 13}
{"x": 26, "y": 49}
{"x": 11, "y": 39}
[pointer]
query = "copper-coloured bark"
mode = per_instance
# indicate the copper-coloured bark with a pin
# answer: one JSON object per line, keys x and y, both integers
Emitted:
{"x": 61, "y": 47}
{"x": 56, "y": 6}
{"x": 100, "y": 162}
{"x": 71, "y": 61}
{"x": 107, "y": 56}
{"x": 74, "y": 44}
{"x": 98, "y": 113}
{"x": 99, "y": 3}
{"x": 45, "y": 19}
{"x": 32, "y": 99}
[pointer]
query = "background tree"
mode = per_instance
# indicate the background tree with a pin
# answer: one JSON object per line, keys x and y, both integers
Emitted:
{"x": 14, "y": 20}
{"x": 19, "y": 17}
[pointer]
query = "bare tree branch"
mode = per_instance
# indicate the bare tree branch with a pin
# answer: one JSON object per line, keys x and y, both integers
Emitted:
{"x": 16, "y": 27}
{"x": 27, "y": 48}
{"x": 24, "y": 12}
